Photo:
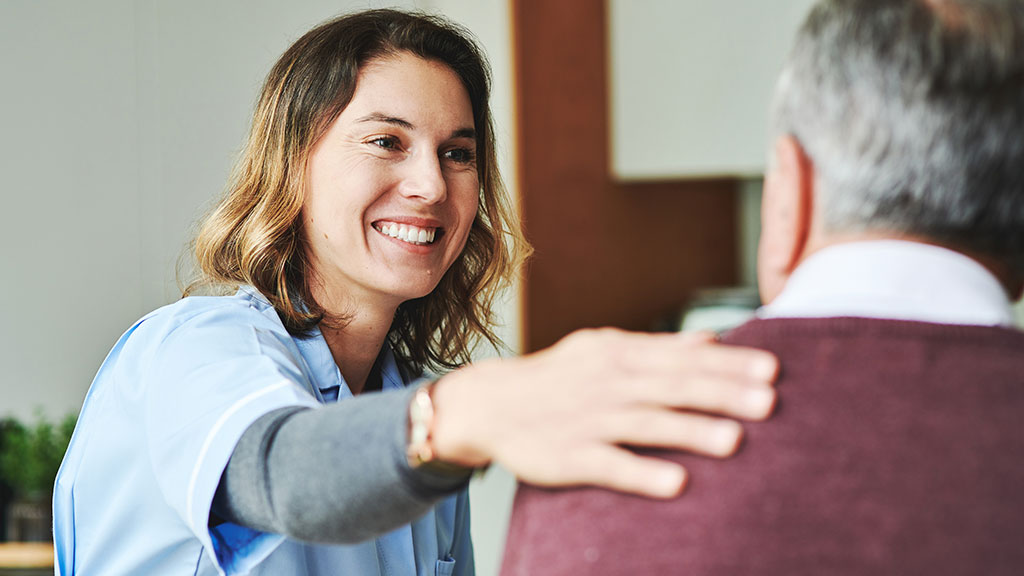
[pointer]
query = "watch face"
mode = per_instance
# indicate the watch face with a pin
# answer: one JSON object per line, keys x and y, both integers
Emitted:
{"x": 420, "y": 453}
{"x": 421, "y": 416}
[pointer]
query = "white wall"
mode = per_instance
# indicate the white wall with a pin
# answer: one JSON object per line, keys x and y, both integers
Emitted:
{"x": 69, "y": 156}
{"x": 692, "y": 81}
{"x": 119, "y": 123}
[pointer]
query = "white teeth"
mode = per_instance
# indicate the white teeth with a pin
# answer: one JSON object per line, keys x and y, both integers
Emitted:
{"x": 407, "y": 233}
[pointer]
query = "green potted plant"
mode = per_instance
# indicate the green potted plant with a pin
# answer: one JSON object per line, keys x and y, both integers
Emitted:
{"x": 30, "y": 456}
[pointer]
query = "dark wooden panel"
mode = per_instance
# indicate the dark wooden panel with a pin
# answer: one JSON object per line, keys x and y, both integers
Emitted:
{"x": 607, "y": 253}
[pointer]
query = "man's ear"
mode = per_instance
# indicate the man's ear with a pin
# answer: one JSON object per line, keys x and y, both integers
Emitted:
{"x": 1017, "y": 289}
{"x": 786, "y": 213}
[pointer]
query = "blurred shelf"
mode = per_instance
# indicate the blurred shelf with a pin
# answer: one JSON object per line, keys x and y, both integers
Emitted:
{"x": 26, "y": 558}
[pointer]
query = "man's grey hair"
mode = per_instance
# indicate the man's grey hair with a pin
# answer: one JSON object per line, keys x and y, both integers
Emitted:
{"x": 912, "y": 112}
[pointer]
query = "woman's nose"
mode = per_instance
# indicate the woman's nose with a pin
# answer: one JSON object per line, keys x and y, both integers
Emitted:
{"x": 424, "y": 180}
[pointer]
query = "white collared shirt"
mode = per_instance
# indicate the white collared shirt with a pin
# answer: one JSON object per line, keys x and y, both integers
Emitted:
{"x": 893, "y": 279}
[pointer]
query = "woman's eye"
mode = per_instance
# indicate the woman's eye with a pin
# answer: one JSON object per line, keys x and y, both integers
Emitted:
{"x": 461, "y": 155}
{"x": 385, "y": 142}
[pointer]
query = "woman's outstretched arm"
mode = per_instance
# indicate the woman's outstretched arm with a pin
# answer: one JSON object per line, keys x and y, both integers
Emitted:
{"x": 559, "y": 417}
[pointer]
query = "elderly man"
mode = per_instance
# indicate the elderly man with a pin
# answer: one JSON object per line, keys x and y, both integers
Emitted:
{"x": 893, "y": 244}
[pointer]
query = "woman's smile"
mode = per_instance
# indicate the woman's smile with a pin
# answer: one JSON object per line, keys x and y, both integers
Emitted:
{"x": 408, "y": 234}
{"x": 412, "y": 231}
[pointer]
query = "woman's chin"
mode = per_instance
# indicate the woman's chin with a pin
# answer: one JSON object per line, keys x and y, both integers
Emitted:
{"x": 407, "y": 292}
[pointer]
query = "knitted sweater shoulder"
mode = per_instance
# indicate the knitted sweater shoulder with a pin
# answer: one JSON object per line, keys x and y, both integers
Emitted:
{"x": 896, "y": 448}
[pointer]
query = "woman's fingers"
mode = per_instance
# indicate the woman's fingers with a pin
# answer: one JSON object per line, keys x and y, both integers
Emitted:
{"x": 560, "y": 417}
{"x": 679, "y": 371}
{"x": 698, "y": 336}
{"x": 652, "y": 428}
{"x": 705, "y": 393}
{"x": 617, "y": 469}
{"x": 694, "y": 354}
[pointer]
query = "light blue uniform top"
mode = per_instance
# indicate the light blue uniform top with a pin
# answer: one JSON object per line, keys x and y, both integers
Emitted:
{"x": 159, "y": 423}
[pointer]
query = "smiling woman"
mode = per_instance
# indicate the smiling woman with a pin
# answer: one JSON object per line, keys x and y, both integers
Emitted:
{"x": 389, "y": 173}
{"x": 341, "y": 100}
{"x": 393, "y": 162}
{"x": 284, "y": 427}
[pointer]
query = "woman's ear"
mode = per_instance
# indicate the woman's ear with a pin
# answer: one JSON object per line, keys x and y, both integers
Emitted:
{"x": 786, "y": 209}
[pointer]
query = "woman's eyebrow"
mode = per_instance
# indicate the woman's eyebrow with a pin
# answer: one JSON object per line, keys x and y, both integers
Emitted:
{"x": 381, "y": 117}
{"x": 403, "y": 123}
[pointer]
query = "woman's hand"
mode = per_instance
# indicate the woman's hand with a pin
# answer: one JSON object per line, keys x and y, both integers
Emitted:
{"x": 560, "y": 416}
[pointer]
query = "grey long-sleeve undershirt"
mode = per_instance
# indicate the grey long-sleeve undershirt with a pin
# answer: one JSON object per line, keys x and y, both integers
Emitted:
{"x": 336, "y": 474}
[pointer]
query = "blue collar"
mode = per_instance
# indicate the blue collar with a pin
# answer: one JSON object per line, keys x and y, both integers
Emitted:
{"x": 327, "y": 376}
{"x": 323, "y": 371}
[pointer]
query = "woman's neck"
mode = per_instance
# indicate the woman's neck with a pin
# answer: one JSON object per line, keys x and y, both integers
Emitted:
{"x": 355, "y": 333}
{"x": 355, "y": 347}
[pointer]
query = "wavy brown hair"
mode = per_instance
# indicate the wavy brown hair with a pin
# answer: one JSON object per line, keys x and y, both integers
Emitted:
{"x": 255, "y": 237}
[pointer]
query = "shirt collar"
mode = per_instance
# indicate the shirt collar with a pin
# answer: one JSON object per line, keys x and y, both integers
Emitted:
{"x": 327, "y": 375}
{"x": 893, "y": 279}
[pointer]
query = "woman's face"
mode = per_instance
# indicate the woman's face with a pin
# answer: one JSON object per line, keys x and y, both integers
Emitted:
{"x": 392, "y": 186}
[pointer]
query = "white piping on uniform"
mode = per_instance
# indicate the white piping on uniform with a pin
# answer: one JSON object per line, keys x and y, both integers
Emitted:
{"x": 209, "y": 440}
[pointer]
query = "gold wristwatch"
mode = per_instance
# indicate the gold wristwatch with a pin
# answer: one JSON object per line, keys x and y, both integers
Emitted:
{"x": 419, "y": 449}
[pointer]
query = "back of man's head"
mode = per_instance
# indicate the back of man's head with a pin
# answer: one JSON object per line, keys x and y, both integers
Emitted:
{"x": 912, "y": 113}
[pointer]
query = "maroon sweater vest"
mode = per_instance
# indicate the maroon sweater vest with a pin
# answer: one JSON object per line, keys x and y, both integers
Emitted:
{"x": 897, "y": 448}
